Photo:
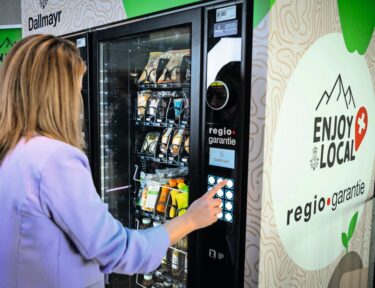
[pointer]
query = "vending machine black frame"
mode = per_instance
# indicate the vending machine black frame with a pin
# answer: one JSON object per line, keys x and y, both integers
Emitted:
{"x": 136, "y": 27}
{"x": 205, "y": 272}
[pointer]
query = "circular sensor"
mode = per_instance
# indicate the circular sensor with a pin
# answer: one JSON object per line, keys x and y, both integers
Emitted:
{"x": 217, "y": 95}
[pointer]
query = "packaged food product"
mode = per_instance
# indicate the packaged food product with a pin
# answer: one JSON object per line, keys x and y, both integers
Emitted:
{"x": 161, "y": 110}
{"x": 142, "y": 99}
{"x": 167, "y": 134}
{"x": 144, "y": 197}
{"x": 182, "y": 200}
{"x": 178, "y": 104}
{"x": 185, "y": 70}
{"x": 153, "y": 104}
{"x": 152, "y": 196}
{"x": 165, "y": 190}
{"x": 172, "y": 73}
{"x": 149, "y": 72}
{"x": 177, "y": 141}
{"x": 187, "y": 144}
{"x": 173, "y": 210}
{"x": 163, "y": 61}
{"x": 150, "y": 143}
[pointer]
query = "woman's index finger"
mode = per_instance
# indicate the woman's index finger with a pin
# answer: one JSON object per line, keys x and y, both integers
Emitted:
{"x": 211, "y": 193}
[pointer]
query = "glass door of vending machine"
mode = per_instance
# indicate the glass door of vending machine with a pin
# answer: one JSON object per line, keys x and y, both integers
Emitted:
{"x": 147, "y": 140}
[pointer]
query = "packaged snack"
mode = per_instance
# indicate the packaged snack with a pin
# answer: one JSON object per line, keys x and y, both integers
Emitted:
{"x": 173, "y": 210}
{"x": 178, "y": 104}
{"x": 161, "y": 113}
{"x": 163, "y": 61}
{"x": 142, "y": 99}
{"x": 177, "y": 141}
{"x": 167, "y": 134}
{"x": 148, "y": 75}
{"x": 153, "y": 104}
{"x": 185, "y": 70}
{"x": 144, "y": 196}
{"x": 171, "y": 73}
{"x": 162, "y": 203}
{"x": 152, "y": 196}
{"x": 187, "y": 144}
{"x": 150, "y": 143}
{"x": 182, "y": 200}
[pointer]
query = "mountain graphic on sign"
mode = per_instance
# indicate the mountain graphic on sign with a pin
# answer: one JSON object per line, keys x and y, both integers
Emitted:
{"x": 339, "y": 93}
{"x": 7, "y": 43}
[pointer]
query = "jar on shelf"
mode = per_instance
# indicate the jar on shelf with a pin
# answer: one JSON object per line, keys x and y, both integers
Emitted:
{"x": 175, "y": 263}
{"x": 147, "y": 280}
{"x": 145, "y": 223}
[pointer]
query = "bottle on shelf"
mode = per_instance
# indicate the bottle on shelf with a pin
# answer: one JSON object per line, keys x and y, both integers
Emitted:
{"x": 184, "y": 279}
{"x": 147, "y": 280}
{"x": 175, "y": 264}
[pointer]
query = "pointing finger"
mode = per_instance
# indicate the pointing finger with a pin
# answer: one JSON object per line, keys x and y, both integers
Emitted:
{"x": 216, "y": 188}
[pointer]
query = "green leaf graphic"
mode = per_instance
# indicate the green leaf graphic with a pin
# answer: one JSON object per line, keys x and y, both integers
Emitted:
{"x": 345, "y": 241}
{"x": 8, "y": 37}
{"x": 261, "y": 9}
{"x": 352, "y": 225}
{"x": 357, "y": 23}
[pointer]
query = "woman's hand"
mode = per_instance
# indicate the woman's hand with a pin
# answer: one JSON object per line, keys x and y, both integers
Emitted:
{"x": 201, "y": 213}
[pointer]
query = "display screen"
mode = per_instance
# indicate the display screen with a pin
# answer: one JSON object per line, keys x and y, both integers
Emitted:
{"x": 222, "y": 158}
{"x": 227, "y": 28}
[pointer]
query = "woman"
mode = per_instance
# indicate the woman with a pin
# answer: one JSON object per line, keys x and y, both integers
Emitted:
{"x": 55, "y": 230}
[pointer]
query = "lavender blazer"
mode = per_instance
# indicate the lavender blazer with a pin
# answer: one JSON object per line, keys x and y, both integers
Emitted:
{"x": 54, "y": 229}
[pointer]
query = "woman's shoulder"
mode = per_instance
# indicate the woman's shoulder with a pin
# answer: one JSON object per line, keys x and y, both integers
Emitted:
{"x": 40, "y": 149}
{"x": 46, "y": 145}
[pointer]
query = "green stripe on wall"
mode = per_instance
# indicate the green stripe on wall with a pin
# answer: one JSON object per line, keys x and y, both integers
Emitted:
{"x": 134, "y": 8}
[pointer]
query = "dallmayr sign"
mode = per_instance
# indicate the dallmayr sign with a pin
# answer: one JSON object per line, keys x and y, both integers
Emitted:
{"x": 43, "y": 20}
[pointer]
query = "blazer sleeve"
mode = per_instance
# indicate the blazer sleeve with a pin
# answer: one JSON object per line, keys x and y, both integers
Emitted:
{"x": 69, "y": 198}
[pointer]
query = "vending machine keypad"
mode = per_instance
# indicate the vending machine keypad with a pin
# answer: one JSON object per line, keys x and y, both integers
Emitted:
{"x": 226, "y": 194}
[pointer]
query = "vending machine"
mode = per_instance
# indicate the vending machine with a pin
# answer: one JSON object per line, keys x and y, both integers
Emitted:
{"x": 171, "y": 106}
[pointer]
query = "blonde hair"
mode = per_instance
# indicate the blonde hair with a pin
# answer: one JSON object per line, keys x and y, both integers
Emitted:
{"x": 40, "y": 92}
